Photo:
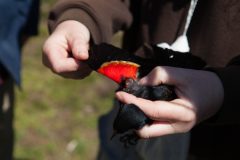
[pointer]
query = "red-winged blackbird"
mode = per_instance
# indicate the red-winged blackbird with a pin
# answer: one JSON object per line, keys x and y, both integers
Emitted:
{"x": 125, "y": 69}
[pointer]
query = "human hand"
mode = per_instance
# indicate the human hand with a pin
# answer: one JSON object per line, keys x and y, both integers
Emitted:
{"x": 66, "y": 48}
{"x": 200, "y": 95}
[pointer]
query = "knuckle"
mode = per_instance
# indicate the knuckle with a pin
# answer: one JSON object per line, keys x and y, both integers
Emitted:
{"x": 155, "y": 114}
{"x": 157, "y": 70}
{"x": 56, "y": 68}
{"x": 160, "y": 73}
{"x": 190, "y": 116}
{"x": 188, "y": 128}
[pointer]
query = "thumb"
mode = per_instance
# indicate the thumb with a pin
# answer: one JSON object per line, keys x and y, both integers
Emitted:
{"x": 165, "y": 75}
{"x": 79, "y": 48}
{"x": 159, "y": 75}
{"x": 78, "y": 40}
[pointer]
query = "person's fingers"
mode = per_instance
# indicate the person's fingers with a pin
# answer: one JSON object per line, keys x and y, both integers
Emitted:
{"x": 159, "y": 110}
{"x": 79, "y": 40}
{"x": 65, "y": 49}
{"x": 159, "y": 128}
{"x": 168, "y": 117}
{"x": 57, "y": 59}
{"x": 83, "y": 71}
{"x": 79, "y": 48}
{"x": 156, "y": 129}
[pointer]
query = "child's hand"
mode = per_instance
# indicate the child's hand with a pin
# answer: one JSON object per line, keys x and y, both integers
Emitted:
{"x": 65, "y": 48}
{"x": 200, "y": 95}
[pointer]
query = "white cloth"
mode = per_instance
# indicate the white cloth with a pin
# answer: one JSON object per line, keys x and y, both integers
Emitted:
{"x": 181, "y": 43}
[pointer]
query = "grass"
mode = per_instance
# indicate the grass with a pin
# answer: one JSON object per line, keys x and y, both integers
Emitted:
{"x": 56, "y": 118}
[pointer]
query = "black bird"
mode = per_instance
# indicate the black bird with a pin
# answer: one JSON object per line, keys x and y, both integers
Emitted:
{"x": 126, "y": 69}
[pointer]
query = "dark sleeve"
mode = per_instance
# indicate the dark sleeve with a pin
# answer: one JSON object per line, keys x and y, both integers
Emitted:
{"x": 31, "y": 26}
{"x": 229, "y": 112}
{"x": 102, "y": 17}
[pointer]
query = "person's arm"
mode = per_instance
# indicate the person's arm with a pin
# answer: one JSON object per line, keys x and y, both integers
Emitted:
{"x": 103, "y": 18}
{"x": 230, "y": 109}
{"x": 73, "y": 24}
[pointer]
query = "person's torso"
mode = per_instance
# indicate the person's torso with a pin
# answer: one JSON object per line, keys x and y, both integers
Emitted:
{"x": 213, "y": 34}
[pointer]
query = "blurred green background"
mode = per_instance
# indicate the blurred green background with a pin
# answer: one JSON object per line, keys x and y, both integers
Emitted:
{"x": 56, "y": 118}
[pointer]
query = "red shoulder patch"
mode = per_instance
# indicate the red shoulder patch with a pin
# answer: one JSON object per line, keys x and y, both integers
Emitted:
{"x": 118, "y": 70}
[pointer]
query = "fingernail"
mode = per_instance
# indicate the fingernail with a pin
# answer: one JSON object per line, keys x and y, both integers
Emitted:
{"x": 82, "y": 54}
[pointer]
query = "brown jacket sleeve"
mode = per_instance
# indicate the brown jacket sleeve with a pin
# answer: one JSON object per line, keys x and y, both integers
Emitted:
{"x": 102, "y": 17}
{"x": 230, "y": 78}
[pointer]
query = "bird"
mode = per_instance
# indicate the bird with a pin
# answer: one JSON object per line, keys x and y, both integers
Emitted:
{"x": 126, "y": 69}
